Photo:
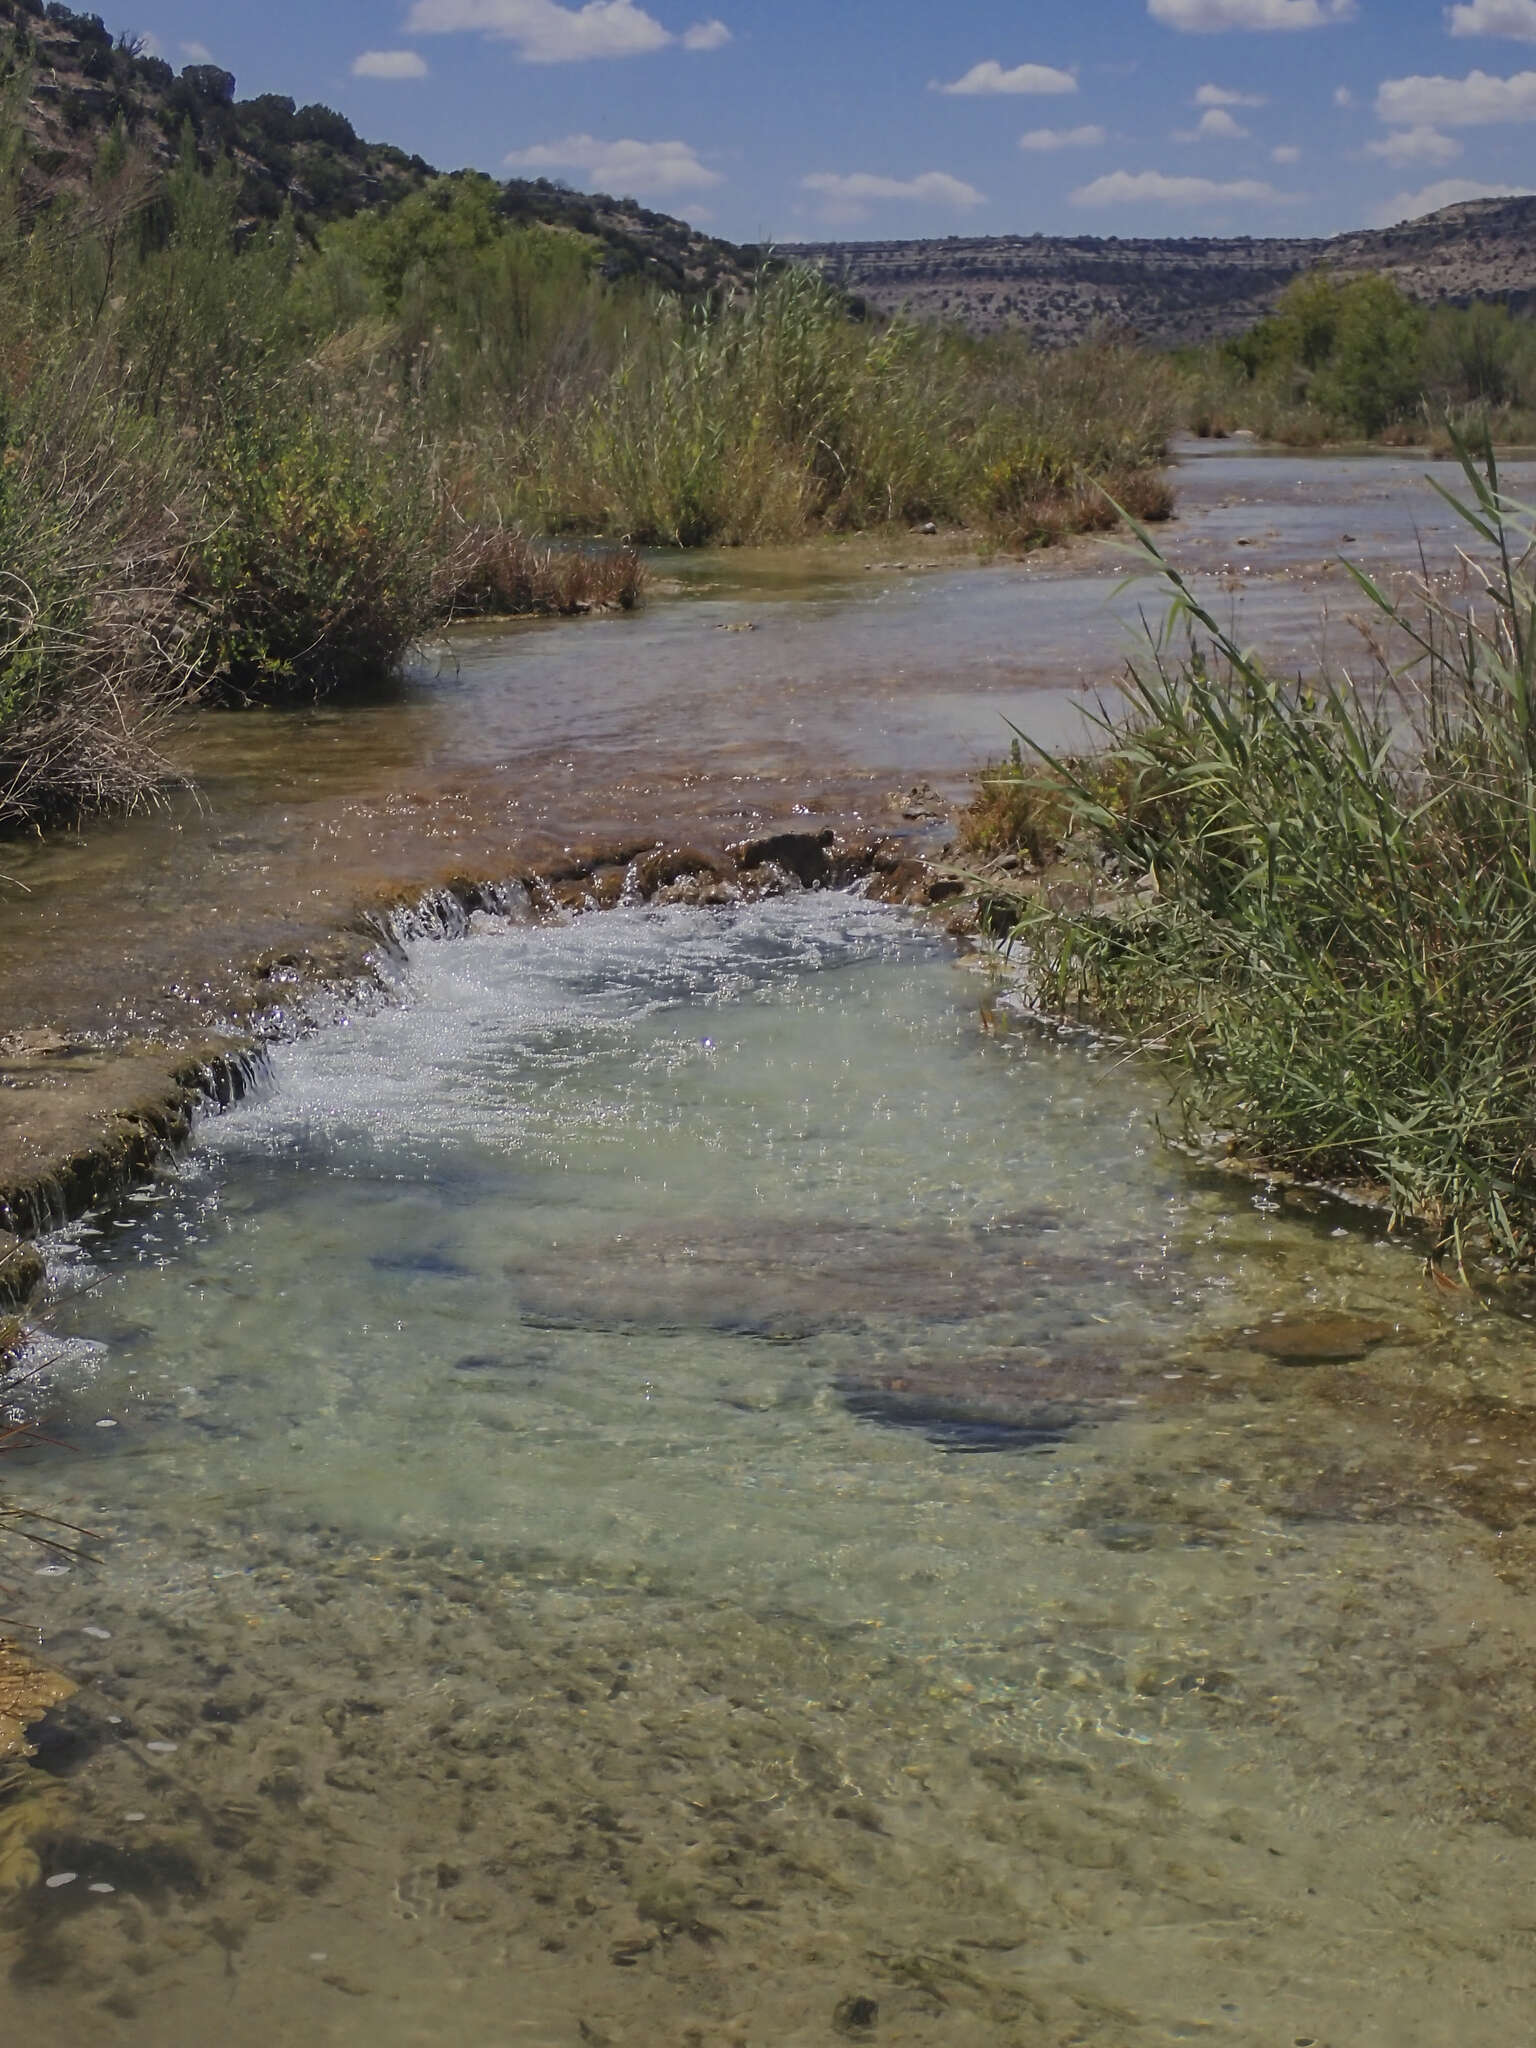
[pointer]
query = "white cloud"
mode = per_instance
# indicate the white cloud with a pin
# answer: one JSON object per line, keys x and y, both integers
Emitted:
{"x": 388, "y": 64}
{"x": 197, "y": 53}
{"x": 706, "y": 35}
{"x": 1209, "y": 17}
{"x": 544, "y": 32}
{"x": 1416, "y": 146}
{"x": 1469, "y": 102}
{"x": 1285, "y": 153}
{"x": 1342, "y": 96}
{"x": 1515, "y": 19}
{"x": 1214, "y": 125}
{"x": 1220, "y": 96}
{"x": 990, "y": 77}
{"x": 1445, "y": 192}
{"x": 848, "y": 198}
{"x": 637, "y": 168}
{"x": 1090, "y": 137}
{"x": 1158, "y": 188}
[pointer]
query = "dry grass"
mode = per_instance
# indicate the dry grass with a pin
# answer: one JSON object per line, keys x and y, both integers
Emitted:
{"x": 488, "y": 572}
{"x": 95, "y": 647}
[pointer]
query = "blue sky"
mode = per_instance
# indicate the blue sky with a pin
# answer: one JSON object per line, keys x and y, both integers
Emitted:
{"x": 806, "y": 119}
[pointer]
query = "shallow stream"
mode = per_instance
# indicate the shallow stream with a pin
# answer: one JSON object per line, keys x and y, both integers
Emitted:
{"x": 670, "y": 1487}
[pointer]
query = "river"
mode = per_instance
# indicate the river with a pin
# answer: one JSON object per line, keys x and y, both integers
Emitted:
{"x": 664, "y": 1485}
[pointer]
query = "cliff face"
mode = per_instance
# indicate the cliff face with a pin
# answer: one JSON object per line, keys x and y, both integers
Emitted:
{"x": 1176, "y": 291}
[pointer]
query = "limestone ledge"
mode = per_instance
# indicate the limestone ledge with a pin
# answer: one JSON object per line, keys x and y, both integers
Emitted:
{"x": 80, "y": 1124}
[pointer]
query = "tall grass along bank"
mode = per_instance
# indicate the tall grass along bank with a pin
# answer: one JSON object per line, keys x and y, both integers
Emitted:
{"x": 249, "y": 463}
{"x": 1316, "y": 900}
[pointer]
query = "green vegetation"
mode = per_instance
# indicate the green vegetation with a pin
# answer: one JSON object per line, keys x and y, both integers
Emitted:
{"x": 251, "y": 464}
{"x": 1318, "y": 902}
{"x": 1354, "y": 359}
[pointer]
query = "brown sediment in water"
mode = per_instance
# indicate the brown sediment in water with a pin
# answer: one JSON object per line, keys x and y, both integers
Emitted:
{"x": 28, "y": 1690}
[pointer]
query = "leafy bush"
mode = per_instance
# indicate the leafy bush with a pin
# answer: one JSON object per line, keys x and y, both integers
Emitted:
{"x": 315, "y": 572}
{"x": 1353, "y": 358}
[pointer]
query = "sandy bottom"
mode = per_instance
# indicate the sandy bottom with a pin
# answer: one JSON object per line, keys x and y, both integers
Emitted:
{"x": 666, "y": 1491}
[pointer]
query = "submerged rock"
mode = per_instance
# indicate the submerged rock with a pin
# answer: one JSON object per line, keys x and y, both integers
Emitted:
{"x": 1317, "y": 1340}
{"x": 1008, "y": 1402}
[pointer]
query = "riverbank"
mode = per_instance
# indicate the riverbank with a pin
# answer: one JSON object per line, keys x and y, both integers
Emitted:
{"x": 1312, "y": 899}
{"x": 813, "y": 687}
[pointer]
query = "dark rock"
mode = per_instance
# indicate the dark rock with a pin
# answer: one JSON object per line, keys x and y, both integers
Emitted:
{"x": 956, "y": 1423}
{"x": 856, "y": 2016}
{"x": 805, "y": 855}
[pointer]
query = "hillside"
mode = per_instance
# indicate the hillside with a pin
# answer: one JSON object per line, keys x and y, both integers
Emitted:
{"x": 1174, "y": 291}
{"x": 69, "y": 81}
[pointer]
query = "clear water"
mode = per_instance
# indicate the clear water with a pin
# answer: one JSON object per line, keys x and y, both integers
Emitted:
{"x": 671, "y": 1488}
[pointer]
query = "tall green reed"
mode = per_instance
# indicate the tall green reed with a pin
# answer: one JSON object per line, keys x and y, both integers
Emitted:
{"x": 1317, "y": 899}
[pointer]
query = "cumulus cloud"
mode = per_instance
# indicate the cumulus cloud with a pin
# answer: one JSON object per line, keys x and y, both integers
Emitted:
{"x": 1214, "y": 125}
{"x": 1470, "y": 102}
{"x": 1220, "y": 96}
{"x": 1514, "y": 19}
{"x": 1210, "y": 17}
{"x": 388, "y": 64}
{"x": 1285, "y": 153}
{"x": 1342, "y": 96}
{"x": 1159, "y": 188}
{"x": 1444, "y": 192}
{"x": 625, "y": 166}
{"x": 706, "y": 35}
{"x": 990, "y": 77}
{"x": 1087, "y": 137}
{"x": 544, "y": 32}
{"x": 849, "y": 197}
{"x": 1416, "y": 146}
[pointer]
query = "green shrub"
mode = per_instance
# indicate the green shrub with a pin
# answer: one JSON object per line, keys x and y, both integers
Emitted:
{"x": 1353, "y": 358}
{"x": 315, "y": 571}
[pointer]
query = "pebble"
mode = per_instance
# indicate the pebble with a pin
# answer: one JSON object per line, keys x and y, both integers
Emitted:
{"x": 101, "y": 1888}
{"x": 102, "y": 1635}
{"x": 162, "y": 1748}
{"x": 106, "y": 1423}
{"x": 135, "y": 1816}
{"x": 61, "y": 1877}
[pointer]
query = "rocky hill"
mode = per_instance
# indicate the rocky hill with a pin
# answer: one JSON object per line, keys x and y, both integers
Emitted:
{"x": 68, "y": 81}
{"x": 1176, "y": 291}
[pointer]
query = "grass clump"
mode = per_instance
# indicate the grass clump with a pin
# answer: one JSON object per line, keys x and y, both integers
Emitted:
{"x": 493, "y": 572}
{"x": 1319, "y": 901}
